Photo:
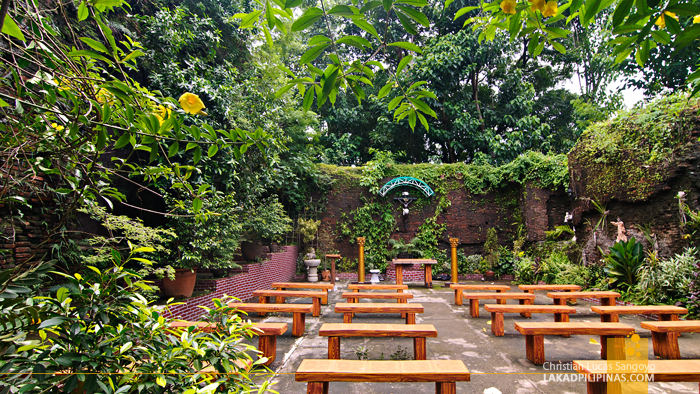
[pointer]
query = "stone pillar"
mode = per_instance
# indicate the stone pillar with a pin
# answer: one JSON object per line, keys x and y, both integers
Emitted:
{"x": 361, "y": 264}
{"x": 453, "y": 245}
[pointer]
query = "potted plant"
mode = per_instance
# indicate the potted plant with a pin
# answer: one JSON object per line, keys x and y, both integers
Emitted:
{"x": 325, "y": 247}
{"x": 491, "y": 255}
{"x": 265, "y": 222}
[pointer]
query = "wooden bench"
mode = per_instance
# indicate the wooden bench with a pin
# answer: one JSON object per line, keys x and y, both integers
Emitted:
{"x": 459, "y": 288}
{"x": 665, "y": 312}
{"x": 355, "y": 287}
{"x": 400, "y": 298}
{"x": 299, "y": 311}
{"x": 597, "y": 373}
{"x": 303, "y": 285}
{"x": 535, "y": 332}
{"x": 607, "y": 298}
{"x": 664, "y": 336}
{"x": 316, "y": 296}
{"x": 533, "y": 288}
{"x": 267, "y": 335}
{"x": 445, "y": 373}
{"x": 348, "y": 310}
{"x": 561, "y": 313}
{"x": 475, "y": 297}
{"x": 335, "y": 331}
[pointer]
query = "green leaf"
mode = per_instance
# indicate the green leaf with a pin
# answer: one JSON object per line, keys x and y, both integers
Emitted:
{"x": 284, "y": 90}
{"x": 387, "y": 5}
{"x": 423, "y": 121}
{"x": 407, "y": 23}
{"x": 686, "y": 9}
{"x": 197, "y": 204}
{"x": 62, "y": 294}
{"x": 406, "y": 45}
{"x": 366, "y": 26}
{"x": 83, "y": 11}
{"x": 370, "y": 6}
{"x": 308, "y": 99}
{"x": 662, "y": 37}
{"x": 197, "y": 155}
{"x": 622, "y": 56}
{"x": 463, "y": 11}
{"x": 212, "y": 150}
{"x": 269, "y": 15}
{"x": 96, "y": 45}
{"x": 385, "y": 90}
{"x": 575, "y": 5}
{"x": 355, "y": 41}
{"x": 592, "y": 8}
{"x": 415, "y": 15}
{"x": 315, "y": 40}
{"x": 417, "y": 3}
{"x": 292, "y": 3}
{"x": 642, "y": 54}
{"x": 423, "y": 107}
{"x": 10, "y": 27}
{"x": 406, "y": 59}
{"x": 90, "y": 54}
{"x": 534, "y": 40}
{"x": 174, "y": 148}
{"x": 3, "y": 103}
{"x": 329, "y": 83}
{"x": 268, "y": 36}
{"x": 132, "y": 55}
{"x": 559, "y": 47}
{"x": 538, "y": 49}
{"x": 341, "y": 10}
{"x": 622, "y": 10}
{"x": 312, "y": 53}
{"x": 672, "y": 25}
{"x": 248, "y": 20}
{"x": 54, "y": 321}
{"x": 412, "y": 119}
{"x": 309, "y": 18}
{"x": 393, "y": 103}
{"x": 122, "y": 141}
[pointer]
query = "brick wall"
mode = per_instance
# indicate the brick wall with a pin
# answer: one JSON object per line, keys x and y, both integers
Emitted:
{"x": 279, "y": 267}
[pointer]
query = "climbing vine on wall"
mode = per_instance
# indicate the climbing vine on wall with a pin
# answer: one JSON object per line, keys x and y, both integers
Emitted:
{"x": 430, "y": 233}
{"x": 375, "y": 222}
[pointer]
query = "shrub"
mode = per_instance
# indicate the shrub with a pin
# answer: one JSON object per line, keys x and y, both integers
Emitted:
{"x": 668, "y": 281}
{"x": 525, "y": 271}
{"x": 623, "y": 263}
{"x": 467, "y": 264}
{"x": 506, "y": 262}
{"x": 552, "y": 266}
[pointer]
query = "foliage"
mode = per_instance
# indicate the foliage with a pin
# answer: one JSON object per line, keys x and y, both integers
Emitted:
{"x": 525, "y": 271}
{"x": 307, "y": 229}
{"x": 667, "y": 281}
{"x": 375, "y": 222}
{"x": 532, "y": 271}
{"x": 266, "y": 220}
{"x": 507, "y": 262}
{"x": 402, "y": 247}
{"x": 467, "y": 264}
{"x": 376, "y": 169}
{"x": 559, "y": 231}
{"x": 429, "y": 235}
{"x": 693, "y": 304}
{"x": 623, "y": 263}
{"x": 491, "y": 249}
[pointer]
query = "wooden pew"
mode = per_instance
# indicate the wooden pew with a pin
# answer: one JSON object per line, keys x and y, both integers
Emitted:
{"x": 365, "y": 286}
{"x": 475, "y": 297}
{"x": 561, "y": 313}
{"x": 303, "y": 285}
{"x": 459, "y": 288}
{"x": 535, "y": 332}
{"x": 299, "y": 311}
{"x": 401, "y": 298}
{"x": 665, "y": 312}
{"x": 607, "y": 298}
{"x": 316, "y": 296}
{"x": 532, "y": 288}
{"x": 597, "y": 373}
{"x": 319, "y": 373}
{"x": 335, "y": 331}
{"x": 267, "y": 335}
{"x": 349, "y": 309}
{"x": 664, "y": 336}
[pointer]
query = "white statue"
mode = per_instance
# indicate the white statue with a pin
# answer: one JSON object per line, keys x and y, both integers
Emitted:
{"x": 621, "y": 236}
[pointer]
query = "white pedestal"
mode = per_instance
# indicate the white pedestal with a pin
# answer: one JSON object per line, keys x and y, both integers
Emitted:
{"x": 375, "y": 276}
{"x": 312, "y": 269}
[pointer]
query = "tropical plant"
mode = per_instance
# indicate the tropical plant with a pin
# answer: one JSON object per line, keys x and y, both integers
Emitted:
{"x": 409, "y": 248}
{"x": 525, "y": 271}
{"x": 623, "y": 263}
{"x": 491, "y": 249}
{"x": 506, "y": 263}
{"x": 558, "y": 232}
{"x": 667, "y": 281}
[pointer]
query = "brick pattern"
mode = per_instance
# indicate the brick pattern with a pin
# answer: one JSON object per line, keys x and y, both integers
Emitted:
{"x": 279, "y": 267}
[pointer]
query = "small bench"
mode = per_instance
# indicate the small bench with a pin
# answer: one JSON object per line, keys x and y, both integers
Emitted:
{"x": 365, "y": 286}
{"x": 303, "y": 285}
{"x": 475, "y": 297}
{"x": 335, "y": 331}
{"x": 664, "y": 336}
{"x": 535, "y": 332}
{"x": 316, "y": 296}
{"x": 267, "y": 335}
{"x": 445, "y": 373}
{"x": 597, "y": 373}
{"x": 299, "y": 311}
{"x": 665, "y": 312}
{"x": 349, "y": 309}
{"x": 533, "y": 288}
{"x": 607, "y": 298}
{"x": 561, "y": 313}
{"x": 459, "y": 288}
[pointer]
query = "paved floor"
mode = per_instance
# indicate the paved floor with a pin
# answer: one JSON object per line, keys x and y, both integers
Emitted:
{"x": 495, "y": 362}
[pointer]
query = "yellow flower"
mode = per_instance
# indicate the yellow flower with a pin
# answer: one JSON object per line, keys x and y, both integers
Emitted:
{"x": 696, "y": 19}
{"x": 57, "y": 126}
{"x": 661, "y": 22}
{"x": 103, "y": 96}
{"x": 508, "y": 6}
{"x": 162, "y": 113}
{"x": 537, "y": 5}
{"x": 550, "y": 9}
{"x": 191, "y": 103}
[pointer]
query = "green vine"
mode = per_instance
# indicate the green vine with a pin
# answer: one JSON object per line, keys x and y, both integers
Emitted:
{"x": 375, "y": 222}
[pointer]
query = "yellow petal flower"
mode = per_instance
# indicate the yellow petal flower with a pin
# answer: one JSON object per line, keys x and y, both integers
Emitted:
{"x": 508, "y": 6}
{"x": 162, "y": 113}
{"x": 191, "y": 103}
{"x": 550, "y": 9}
{"x": 537, "y": 5}
{"x": 661, "y": 22}
{"x": 696, "y": 19}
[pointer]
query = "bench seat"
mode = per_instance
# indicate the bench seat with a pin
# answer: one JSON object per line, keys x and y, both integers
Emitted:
{"x": 299, "y": 312}
{"x": 535, "y": 332}
{"x": 445, "y": 373}
{"x": 664, "y": 336}
{"x": 335, "y": 331}
{"x": 607, "y": 298}
{"x": 303, "y": 285}
{"x": 561, "y": 313}
{"x": 475, "y": 297}
{"x": 316, "y": 296}
{"x": 597, "y": 373}
{"x": 401, "y": 297}
{"x": 459, "y": 288}
{"x": 365, "y": 286}
{"x": 665, "y": 312}
{"x": 267, "y": 335}
{"x": 348, "y": 309}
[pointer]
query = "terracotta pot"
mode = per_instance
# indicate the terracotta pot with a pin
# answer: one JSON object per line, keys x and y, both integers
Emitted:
{"x": 182, "y": 286}
{"x": 251, "y": 250}
{"x": 489, "y": 275}
{"x": 326, "y": 274}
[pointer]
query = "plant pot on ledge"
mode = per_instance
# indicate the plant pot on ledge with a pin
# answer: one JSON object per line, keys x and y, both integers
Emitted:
{"x": 183, "y": 285}
{"x": 489, "y": 275}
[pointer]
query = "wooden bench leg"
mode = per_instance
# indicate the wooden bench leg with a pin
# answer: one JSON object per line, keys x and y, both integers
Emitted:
{"x": 347, "y": 317}
{"x": 317, "y": 307}
{"x": 525, "y": 302}
{"x": 458, "y": 296}
{"x": 667, "y": 317}
{"x": 419, "y": 349}
{"x": 410, "y": 318}
{"x": 262, "y": 300}
{"x": 665, "y": 345}
{"x": 446, "y": 388}
{"x": 596, "y": 387}
{"x": 474, "y": 308}
{"x": 267, "y": 344}
{"x": 609, "y": 318}
{"x": 610, "y": 301}
{"x": 402, "y": 301}
{"x": 562, "y": 317}
{"x": 497, "y": 324}
{"x": 501, "y": 302}
{"x": 298, "y": 324}
{"x": 334, "y": 348}
{"x": 617, "y": 352}
{"x": 281, "y": 300}
{"x": 559, "y": 301}
{"x": 534, "y": 348}
{"x": 317, "y": 388}
{"x": 324, "y": 299}
{"x": 429, "y": 276}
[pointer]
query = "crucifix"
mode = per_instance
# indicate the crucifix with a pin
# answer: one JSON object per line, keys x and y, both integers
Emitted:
{"x": 405, "y": 200}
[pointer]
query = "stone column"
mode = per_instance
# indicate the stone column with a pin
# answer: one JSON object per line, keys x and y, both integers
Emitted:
{"x": 453, "y": 245}
{"x": 361, "y": 264}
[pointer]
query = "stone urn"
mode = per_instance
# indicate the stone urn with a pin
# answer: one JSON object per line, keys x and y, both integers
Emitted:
{"x": 375, "y": 276}
{"x": 312, "y": 269}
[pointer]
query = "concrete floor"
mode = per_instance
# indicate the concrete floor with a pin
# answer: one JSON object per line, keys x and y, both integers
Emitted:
{"x": 495, "y": 362}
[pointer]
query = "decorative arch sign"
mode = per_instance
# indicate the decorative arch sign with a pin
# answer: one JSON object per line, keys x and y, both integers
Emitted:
{"x": 406, "y": 181}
